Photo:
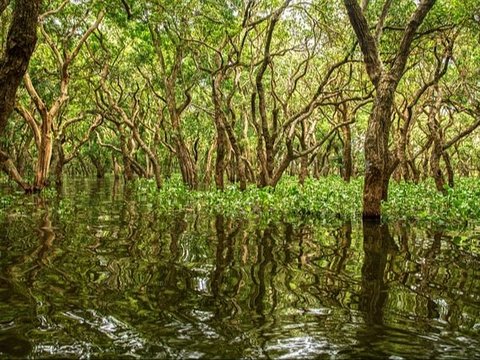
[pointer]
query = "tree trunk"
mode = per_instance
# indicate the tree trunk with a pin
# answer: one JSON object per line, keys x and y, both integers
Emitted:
{"x": 239, "y": 152}
{"x": 376, "y": 150}
{"x": 9, "y": 168}
{"x": 187, "y": 165}
{"x": 99, "y": 165}
{"x": 221, "y": 139}
{"x": 347, "y": 153}
{"x": 415, "y": 171}
{"x": 59, "y": 162}
{"x": 152, "y": 156}
{"x": 116, "y": 168}
{"x": 303, "y": 169}
{"x": 42, "y": 168}
{"x": 437, "y": 149}
{"x": 21, "y": 40}
{"x": 448, "y": 166}
{"x": 385, "y": 82}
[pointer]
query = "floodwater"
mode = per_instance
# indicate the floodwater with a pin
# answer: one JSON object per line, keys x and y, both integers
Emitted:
{"x": 96, "y": 273}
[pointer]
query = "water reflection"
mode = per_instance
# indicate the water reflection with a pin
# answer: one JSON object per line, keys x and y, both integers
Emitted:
{"x": 378, "y": 246}
{"x": 98, "y": 273}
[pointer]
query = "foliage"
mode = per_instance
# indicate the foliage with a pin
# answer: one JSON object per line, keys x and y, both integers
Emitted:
{"x": 422, "y": 202}
{"x": 327, "y": 200}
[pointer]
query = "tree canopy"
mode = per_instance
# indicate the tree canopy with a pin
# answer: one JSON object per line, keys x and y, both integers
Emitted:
{"x": 245, "y": 91}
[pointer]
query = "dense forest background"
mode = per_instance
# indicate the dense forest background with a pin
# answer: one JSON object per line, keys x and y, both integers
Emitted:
{"x": 246, "y": 92}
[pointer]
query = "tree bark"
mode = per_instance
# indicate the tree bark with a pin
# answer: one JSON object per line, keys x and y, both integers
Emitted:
{"x": 437, "y": 138}
{"x": 9, "y": 168}
{"x": 59, "y": 161}
{"x": 221, "y": 139}
{"x": 385, "y": 82}
{"x": 347, "y": 145}
{"x": 42, "y": 167}
{"x": 449, "y": 168}
{"x": 21, "y": 40}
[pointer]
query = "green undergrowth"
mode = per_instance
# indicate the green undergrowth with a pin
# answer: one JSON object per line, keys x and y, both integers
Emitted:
{"x": 422, "y": 202}
{"x": 328, "y": 200}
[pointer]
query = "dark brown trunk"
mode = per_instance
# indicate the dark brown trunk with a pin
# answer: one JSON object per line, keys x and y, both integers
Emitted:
{"x": 415, "y": 171}
{"x": 187, "y": 165}
{"x": 59, "y": 162}
{"x": 303, "y": 169}
{"x": 127, "y": 169}
{"x": 99, "y": 165}
{"x": 436, "y": 171}
{"x": 385, "y": 82}
{"x": 239, "y": 154}
{"x": 449, "y": 167}
{"x": 21, "y": 40}
{"x": 347, "y": 153}
{"x": 221, "y": 140}
{"x": 376, "y": 155}
{"x": 437, "y": 138}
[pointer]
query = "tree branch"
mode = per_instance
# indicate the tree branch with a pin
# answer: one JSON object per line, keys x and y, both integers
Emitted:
{"x": 367, "y": 42}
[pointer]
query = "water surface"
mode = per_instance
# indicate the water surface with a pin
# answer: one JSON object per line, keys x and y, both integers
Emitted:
{"x": 96, "y": 272}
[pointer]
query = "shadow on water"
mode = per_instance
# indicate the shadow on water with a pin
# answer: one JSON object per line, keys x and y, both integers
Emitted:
{"x": 98, "y": 272}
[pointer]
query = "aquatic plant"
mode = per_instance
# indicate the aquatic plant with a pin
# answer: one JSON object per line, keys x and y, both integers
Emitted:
{"x": 327, "y": 200}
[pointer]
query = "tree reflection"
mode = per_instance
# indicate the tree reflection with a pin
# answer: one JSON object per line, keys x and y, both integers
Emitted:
{"x": 378, "y": 244}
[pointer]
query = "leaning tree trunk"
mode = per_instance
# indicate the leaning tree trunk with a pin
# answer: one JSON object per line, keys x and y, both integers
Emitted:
{"x": 21, "y": 40}
{"x": 7, "y": 165}
{"x": 187, "y": 165}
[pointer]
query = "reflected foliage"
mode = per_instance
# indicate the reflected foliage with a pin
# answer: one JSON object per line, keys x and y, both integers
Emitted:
{"x": 106, "y": 275}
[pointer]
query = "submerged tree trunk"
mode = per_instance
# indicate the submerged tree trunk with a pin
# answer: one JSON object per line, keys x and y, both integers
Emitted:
{"x": 99, "y": 165}
{"x": 21, "y": 40}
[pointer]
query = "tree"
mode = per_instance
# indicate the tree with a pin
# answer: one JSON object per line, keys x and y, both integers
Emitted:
{"x": 50, "y": 128}
{"x": 378, "y": 164}
{"x": 21, "y": 40}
